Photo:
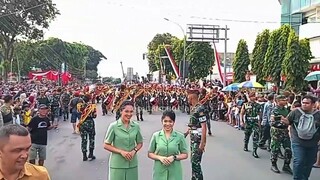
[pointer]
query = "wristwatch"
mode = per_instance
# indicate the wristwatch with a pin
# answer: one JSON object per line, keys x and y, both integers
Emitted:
{"x": 135, "y": 149}
{"x": 174, "y": 157}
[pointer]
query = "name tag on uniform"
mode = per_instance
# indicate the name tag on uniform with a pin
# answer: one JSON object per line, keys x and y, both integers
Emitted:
{"x": 202, "y": 119}
{"x": 194, "y": 132}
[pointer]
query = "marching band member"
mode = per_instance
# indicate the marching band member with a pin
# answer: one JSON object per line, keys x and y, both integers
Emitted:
{"x": 87, "y": 127}
{"x": 118, "y": 98}
{"x": 138, "y": 101}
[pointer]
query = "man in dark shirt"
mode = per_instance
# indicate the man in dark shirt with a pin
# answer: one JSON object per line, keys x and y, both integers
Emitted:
{"x": 38, "y": 127}
{"x": 304, "y": 150}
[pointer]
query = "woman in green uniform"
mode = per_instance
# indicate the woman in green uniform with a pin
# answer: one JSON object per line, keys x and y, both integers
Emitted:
{"x": 167, "y": 148}
{"x": 123, "y": 140}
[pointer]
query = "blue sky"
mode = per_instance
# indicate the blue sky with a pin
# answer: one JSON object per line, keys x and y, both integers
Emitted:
{"x": 122, "y": 29}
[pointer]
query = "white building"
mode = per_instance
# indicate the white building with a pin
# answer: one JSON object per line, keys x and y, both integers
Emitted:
{"x": 304, "y": 17}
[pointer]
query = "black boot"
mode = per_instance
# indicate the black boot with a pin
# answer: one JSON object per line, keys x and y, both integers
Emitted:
{"x": 254, "y": 153}
{"x": 85, "y": 158}
{"x": 141, "y": 117}
{"x": 274, "y": 167}
{"x": 138, "y": 118}
{"x": 245, "y": 148}
{"x": 268, "y": 148}
{"x": 91, "y": 156}
{"x": 286, "y": 168}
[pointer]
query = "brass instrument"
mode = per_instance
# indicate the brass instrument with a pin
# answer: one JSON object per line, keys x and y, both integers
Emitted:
{"x": 86, "y": 112}
{"x": 110, "y": 90}
{"x": 125, "y": 97}
{"x": 140, "y": 91}
{"x": 206, "y": 98}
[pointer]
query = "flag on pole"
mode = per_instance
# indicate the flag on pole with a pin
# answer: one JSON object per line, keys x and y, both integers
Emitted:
{"x": 172, "y": 62}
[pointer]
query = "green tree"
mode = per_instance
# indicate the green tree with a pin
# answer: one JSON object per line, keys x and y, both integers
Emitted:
{"x": 241, "y": 62}
{"x": 91, "y": 74}
{"x": 258, "y": 55}
{"x": 306, "y": 54}
{"x": 156, "y": 50}
{"x": 271, "y": 57}
{"x": 23, "y": 19}
{"x": 51, "y": 53}
{"x": 23, "y": 59}
{"x": 296, "y": 62}
{"x": 277, "y": 48}
{"x": 107, "y": 79}
{"x": 117, "y": 81}
{"x": 201, "y": 57}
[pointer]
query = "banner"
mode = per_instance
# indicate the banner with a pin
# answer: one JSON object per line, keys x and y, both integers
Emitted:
{"x": 50, "y": 75}
{"x": 172, "y": 62}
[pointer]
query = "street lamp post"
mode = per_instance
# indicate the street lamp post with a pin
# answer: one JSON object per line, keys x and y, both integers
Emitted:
{"x": 184, "y": 48}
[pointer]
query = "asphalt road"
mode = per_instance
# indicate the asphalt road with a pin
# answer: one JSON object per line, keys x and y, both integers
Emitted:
{"x": 224, "y": 158}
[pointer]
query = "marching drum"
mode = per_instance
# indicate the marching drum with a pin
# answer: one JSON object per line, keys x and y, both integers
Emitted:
{"x": 153, "y": 100}
{"x": 172, "y": 100}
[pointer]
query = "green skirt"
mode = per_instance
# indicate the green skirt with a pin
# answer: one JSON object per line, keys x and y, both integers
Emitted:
{"x": 123, "y": 174}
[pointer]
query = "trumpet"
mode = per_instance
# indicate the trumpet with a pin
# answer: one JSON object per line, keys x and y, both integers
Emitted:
{"x": 125, "y": 97}
{"x": 206, "y": 98}
{"x": 140, "y": 91}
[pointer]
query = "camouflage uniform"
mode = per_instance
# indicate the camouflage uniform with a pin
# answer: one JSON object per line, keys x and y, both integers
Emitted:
{"x": 207, "y": 113}
{"x": 252, "y": 116}
{"x": 139, "y": 107}
{"x": 280, "y": 136}
{"x": 56, "y": 108}
{"x": 197, "y": 117}
{"x": 87, "y": 130}
{"x": 65, "y": 99}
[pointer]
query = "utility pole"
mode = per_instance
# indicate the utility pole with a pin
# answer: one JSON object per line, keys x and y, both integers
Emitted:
{"x": 225, "y": 55}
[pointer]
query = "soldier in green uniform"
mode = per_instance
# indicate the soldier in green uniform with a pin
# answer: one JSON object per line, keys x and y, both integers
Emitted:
{"x": 197, "y": 130}
{"x": 207, "y": 110}
{"x": 250, "y": 116}
{"x": 138, "y": 101}
{"x": 280, "y": 135}
{"x": 87, "y": 128}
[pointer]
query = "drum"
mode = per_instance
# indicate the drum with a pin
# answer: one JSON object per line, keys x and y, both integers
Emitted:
{"x": 153, "y": 100}
{"x": 109, "y": 99}
{"x": 172, "y": 100}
